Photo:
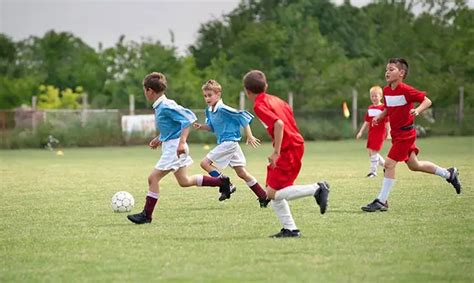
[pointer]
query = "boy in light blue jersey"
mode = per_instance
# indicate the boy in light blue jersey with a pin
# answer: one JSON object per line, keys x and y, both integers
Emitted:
{"x": 173, "y": 122}
{"x": 225, "y": 122}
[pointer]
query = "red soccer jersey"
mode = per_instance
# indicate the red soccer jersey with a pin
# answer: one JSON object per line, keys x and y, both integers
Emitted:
{"x": 269, "y": 109}
{"x": 399, "y": 102}
{"x": 377, "y": 132}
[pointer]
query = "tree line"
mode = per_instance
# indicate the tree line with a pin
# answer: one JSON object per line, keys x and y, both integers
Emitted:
{"x": 315, "y": 49}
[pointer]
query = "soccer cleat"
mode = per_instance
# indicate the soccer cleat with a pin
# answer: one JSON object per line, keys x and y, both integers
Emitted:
{"x": 454, "y": 179}
{"x": 371, "y": 175}
{"x": 321, "y": 195}
{"x": 139, "y": 218}
{"x": 263, "y": 202}
{"x": 226, "y": 189}
{"x": 376, "y": 205}
{"x": 286, "y": 233}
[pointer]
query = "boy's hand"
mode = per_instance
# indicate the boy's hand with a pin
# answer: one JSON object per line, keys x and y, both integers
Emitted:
{"x": 197, "y": 126}
{"x": 154, "y": 143}
{"x": 389, "y": 137}
{"x": 359, "y": 134}
{"x": 375, "y": 120}
{"x": 181, "y": 149}
{"x": 253, "y": 141}
{"x": 414, "y": 112}
{"x": 273, "y": 158}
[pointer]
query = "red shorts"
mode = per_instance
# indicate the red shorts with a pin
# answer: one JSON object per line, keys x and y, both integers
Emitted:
{"x": 402, "y": 147}
{"x": 375, "y": 139}
{"x": 287, "y": 168}
{"x": 374, "y": 144}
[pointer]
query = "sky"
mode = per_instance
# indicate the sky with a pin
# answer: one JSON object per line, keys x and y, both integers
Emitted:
{"x": 104, "y": 21}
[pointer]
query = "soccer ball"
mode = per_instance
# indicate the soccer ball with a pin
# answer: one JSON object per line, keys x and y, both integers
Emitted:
{"x": 122, "y": 202}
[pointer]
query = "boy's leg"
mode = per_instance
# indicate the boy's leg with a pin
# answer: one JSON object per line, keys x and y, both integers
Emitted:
{"x": 450, "y": 174}
{"x": 206, "y": 164}
{"x": 184, "y": 180}
{"x": 381, "y": 160}
{"x": 253, "y": 185}
{"x": 380, "y": 203}
{"x": 151, "y": 198}
{"x": 374, "y": 160}
{"x": 282, "y": 210}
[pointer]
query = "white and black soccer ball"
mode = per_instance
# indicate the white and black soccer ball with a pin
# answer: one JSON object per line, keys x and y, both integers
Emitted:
{"x": 122, "y": 202}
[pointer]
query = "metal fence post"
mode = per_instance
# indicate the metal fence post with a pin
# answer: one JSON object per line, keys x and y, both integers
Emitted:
{"x": 84, "y": 109}
{"x": 242, "y": 101}
{"x": 354, "y": 109}
{"x": 131, "y": 104}
{"x": 290, "y": 99}
{"x": 34, "y": 101}
{"x": 461, "y": 105}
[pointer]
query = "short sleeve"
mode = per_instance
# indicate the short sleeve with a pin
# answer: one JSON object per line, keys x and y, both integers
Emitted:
{"x": 366, "y": 117}
{"x": 265, "y": 115}
{"x": 414, "y": 95}
{"x": 181, "y": 115}
{"x": 209, "y": 121}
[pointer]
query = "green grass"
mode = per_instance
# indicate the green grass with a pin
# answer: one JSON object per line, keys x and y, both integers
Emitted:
{"x": 57, "y": 225}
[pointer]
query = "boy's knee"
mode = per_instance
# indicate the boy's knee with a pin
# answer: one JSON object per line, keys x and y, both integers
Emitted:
{"x": 413, "y": 166}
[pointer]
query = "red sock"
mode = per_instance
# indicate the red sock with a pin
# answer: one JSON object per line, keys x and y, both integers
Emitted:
{"x": 211, "y": 181}
{"x": 150, "y": 206}
{"x": 258, "y": 191}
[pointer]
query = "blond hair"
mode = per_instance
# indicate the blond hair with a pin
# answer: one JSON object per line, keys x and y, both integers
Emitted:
{"x": 212, "y": 85}
{"x": 376, "y": 89}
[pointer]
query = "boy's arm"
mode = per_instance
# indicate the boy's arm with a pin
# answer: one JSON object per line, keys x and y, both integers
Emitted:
{"x": 382, "y": 115}
{"x": 387, "y": 127}
{"x": 362, "y": 128}
{"x": 425, "y": 104}
{"x": 182, "y": 141}
{"x": 154, "y": 143}
{"x": 278, "y": 138}
{"x": 202, "y": 127}
{"x": 251, "y": 140}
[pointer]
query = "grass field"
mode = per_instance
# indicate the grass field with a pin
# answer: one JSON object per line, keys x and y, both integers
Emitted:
{"x": 57, "y": 224}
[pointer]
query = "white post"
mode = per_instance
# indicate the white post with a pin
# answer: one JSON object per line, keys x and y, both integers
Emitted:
{"x": 84, "y": 109}
{"x": 290, "y": 99}
{"x": 242, "y": 101}
{"x": 354, "y": 109}
{"x": 34, "y": 101}
{"x": 461, "y": 105}
{"x": 131, "y": 104}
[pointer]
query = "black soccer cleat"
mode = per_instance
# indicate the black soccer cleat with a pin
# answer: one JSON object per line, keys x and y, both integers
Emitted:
{"x": 371, "y": 175}
{"x": 286, "y": 233}
{"x": 226, "y": 189}
{"x": 139, "y": 218}
{"x": 374, "y": 206}
{"x": 321, "y": 195}
{"x": 263, "y": 202}
{"x": 454, "y": 179}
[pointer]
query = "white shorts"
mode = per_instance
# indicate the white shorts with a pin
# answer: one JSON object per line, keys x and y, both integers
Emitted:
{"x": 227, "y": 153}
{"x": 169, "y": 160}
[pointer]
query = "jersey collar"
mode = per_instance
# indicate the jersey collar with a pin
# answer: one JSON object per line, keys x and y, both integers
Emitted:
{"x": 219, "y": 103}
{"x": 158, "y": 101}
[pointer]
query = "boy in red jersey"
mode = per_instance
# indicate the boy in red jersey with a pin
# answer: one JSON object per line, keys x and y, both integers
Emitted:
{"x": 285, "y": 160}
{"x": 399, "y": 99}
{"x": 377, "y": 133}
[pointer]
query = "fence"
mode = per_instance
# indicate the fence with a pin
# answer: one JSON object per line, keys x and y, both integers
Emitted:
{"x": 27, "y": 128}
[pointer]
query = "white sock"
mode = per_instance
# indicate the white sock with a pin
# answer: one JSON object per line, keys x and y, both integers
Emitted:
{"x": 442, "y": 172}
{"x": 381, "y": 160}
{"x": 374, "y": 160}
{"x": 251, "y": 182}
{"x": 199, "y": 180}
{"x": 386, "y": 187}
{"x": 282, "y": 210}
{"x": 296, "y": 191}
{"x": 152, "y": 194}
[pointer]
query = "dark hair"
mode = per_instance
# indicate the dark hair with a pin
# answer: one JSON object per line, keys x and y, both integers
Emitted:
{"x": 156, "y": 81}
{"x": 401, "y": 63}
{"x": 255, "y": 81}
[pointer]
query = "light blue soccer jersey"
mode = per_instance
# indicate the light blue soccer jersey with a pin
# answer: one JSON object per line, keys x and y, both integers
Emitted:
{"x": 171, "y": 118}
{"x": 226, "y": 121}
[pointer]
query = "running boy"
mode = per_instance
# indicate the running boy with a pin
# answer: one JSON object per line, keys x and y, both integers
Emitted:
{"x": 285, "y": 160}
{"x": 399, "y": 99}
{"x": 173, "y": 122}
{"x": 225, "y": 122}
{"x": 377, "y": 133}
